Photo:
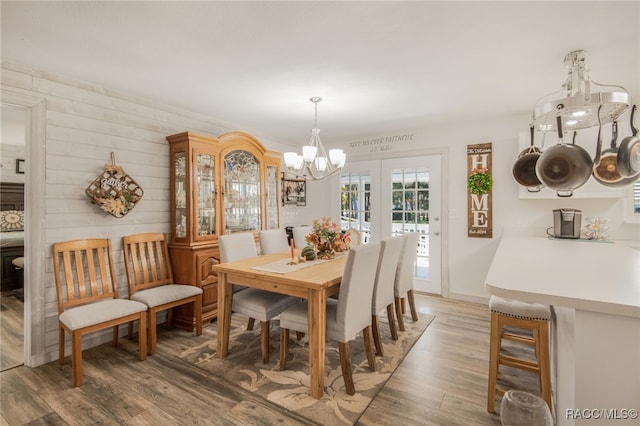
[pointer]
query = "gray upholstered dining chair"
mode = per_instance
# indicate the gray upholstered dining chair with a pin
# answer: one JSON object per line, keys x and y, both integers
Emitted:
{"x": 383, "y": 295}
{"x": 256, "y": 304}
{"x": 299, "y": 232}
{"x": 150, "y": 280}
{"x": 346, "y": 316}
{"x": 404, "y": 277}
{"x": 273, "y": 241}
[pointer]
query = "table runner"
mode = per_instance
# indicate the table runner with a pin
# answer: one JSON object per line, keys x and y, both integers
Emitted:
{"x": 282, "y": 267}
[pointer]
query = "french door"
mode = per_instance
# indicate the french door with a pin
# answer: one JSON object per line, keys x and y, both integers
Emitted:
{"x": 384, "y": 198}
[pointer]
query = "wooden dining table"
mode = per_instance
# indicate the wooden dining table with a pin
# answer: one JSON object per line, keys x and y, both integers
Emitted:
{"x": 315, "y": 282}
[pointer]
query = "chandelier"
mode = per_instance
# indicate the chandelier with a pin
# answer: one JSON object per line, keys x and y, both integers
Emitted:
{"x": 578, "y": 108}
{"x": 314, "y": 158}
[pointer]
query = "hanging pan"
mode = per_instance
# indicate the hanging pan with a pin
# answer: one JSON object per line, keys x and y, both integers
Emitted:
{"x": 564, "y": 167}
{"x": 524, "y": 169}
{"x": 629, "y": 153}
{"x": 605, "y": 165}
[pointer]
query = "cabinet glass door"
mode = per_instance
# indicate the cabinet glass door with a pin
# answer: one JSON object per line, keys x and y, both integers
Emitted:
{"x": 272, "y": 197}
{"x": 205, "y": 195}
{"x": 241, "y": 192}
{"x": 180, "y": 191}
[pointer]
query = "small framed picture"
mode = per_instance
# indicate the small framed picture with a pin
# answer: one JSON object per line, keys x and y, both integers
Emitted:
{"x": 294, "y": 191}
{"x": 20, "y": 166}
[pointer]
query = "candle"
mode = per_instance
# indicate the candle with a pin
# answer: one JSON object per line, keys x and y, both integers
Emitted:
{"x": 292, "y": 253}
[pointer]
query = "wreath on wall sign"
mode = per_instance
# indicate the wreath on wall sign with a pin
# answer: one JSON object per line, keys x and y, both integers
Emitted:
{"x": 114, "y": 191}
{"x": 479, "y": 181}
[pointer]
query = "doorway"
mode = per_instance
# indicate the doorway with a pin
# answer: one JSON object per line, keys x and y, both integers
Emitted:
{"x": 384, "y": 198}
{"x": 13, "y": 154}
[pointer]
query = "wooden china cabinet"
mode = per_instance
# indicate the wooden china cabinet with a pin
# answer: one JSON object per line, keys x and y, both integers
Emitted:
{"x": 219, "y": 185}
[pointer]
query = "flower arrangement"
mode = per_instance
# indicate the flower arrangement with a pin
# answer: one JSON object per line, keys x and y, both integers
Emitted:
{"x": 327, "y": 238}
{"x": 479, "y": 181}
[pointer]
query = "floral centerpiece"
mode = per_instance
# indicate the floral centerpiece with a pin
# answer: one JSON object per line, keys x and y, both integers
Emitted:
{"x": 479, "y": 181}
{"x": 327, "y": 238}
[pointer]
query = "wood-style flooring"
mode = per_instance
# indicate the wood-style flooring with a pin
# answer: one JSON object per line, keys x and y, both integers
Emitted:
{"x": 11, "y": 331}
{"x": 442, "y": 381}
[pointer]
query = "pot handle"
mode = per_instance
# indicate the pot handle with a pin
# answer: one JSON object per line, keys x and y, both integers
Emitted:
{"x": 596, "y": 161}
{"x": 633, "y": 129}
{"x": 614, "y": 134}
{"x": 564, "y": 193}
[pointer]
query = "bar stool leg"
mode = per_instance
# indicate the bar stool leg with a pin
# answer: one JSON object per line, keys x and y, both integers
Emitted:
{"x": 494, "y": 353}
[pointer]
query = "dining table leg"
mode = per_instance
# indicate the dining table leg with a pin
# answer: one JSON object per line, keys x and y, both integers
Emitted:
{"x": 225, "y": 299}
{"x": 317, "y": 339}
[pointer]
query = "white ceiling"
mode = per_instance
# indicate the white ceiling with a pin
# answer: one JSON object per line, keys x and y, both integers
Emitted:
{"x": 380, "y": 66}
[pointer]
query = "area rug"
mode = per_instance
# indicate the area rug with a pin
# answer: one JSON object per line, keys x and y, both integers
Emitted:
{"x": 290, "y": 388}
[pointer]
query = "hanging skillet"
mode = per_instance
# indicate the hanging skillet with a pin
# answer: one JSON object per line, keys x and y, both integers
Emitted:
{"x": 524, "y": 169}
{"x": 564, "y": 167}
{"x": 605, "y": 165}
{"x": 629, "y": 153}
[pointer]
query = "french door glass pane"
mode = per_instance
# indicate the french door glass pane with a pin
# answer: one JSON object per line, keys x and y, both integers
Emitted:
{"x": 410, "y": 211}
{"x": 355, "y": 204}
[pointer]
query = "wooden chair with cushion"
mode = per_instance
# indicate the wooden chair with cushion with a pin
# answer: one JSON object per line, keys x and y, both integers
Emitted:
{"x": 404, "y": 277}
{"x": 150, "y": 278}
{"x": 346, "y": 316}
{"x": 299, "y": 233}
{"x": 256, "y": 304}
{"x": 383, "y": 296}
{"x": 273, "y": 241}
{"x": 524, "y": 323}
{"x": 88, "y": 298}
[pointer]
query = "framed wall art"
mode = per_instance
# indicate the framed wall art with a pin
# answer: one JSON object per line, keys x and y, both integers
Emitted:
{"x": 20, "y": 166}
{"x": 294, "y": 191}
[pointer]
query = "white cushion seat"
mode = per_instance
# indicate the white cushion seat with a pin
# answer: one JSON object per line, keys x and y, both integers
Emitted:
{"x": 99, "y": 312}
{"x": 259, "y": 304}
{"x": 164, "y": 294}
{"x": 518, "y": 309}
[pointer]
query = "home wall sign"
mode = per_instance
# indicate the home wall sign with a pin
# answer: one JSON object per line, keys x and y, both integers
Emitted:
{"x": 114, "y": 191}
{"x": 479, "y": 191}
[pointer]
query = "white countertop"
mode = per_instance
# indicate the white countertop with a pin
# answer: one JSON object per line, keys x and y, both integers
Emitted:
{"x": 590, "y": 275}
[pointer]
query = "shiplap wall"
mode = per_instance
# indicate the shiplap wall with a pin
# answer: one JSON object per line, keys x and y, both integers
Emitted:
{"x": 85, "y": 123}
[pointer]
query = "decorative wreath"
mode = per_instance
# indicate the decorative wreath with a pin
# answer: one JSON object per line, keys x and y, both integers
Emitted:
{"x": 114, "y": 191}
{"x": 479, "y": 181}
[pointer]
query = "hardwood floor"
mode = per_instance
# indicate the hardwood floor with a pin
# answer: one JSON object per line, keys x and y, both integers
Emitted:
{"x": 442, "y": 381}
{"x": 11, "y": 331}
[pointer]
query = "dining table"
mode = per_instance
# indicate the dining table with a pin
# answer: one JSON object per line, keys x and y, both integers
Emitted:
{"x": 312, "y": 280}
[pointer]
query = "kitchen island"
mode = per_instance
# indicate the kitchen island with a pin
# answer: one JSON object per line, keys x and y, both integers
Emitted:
{"x": 594, "y": 290}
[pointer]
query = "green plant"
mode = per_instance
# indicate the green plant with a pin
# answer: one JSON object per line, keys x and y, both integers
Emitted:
{"x": 479, "y": 181}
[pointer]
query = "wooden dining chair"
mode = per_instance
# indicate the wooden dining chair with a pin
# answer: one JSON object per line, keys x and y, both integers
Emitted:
{"x": 346, "y": 316}
{"x": 383, "y": 296}
{"x": 273, "y": 241}
{"x": 404, "y": 278}
{"x": 299, "y": 233}
{"x": 150, "y": 279}
{"x": 255, "y": 304}
{"x": 88, "y": 298}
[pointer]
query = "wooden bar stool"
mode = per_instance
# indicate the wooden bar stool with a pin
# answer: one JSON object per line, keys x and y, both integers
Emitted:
{"x": 513, "y": 314}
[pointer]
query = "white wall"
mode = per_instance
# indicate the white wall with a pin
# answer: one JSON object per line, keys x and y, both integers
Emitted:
{"x": 12, "y": 144}
{"x": 468, "y": 259}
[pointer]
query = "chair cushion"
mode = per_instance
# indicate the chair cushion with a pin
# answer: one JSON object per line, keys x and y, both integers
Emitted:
{"x": 518, "y": 309}
{"x": 295, "y": 318}
{"x": 261, "y": 305}
{"x": 98, "y": 312}
{"x": 157, "y": 296}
